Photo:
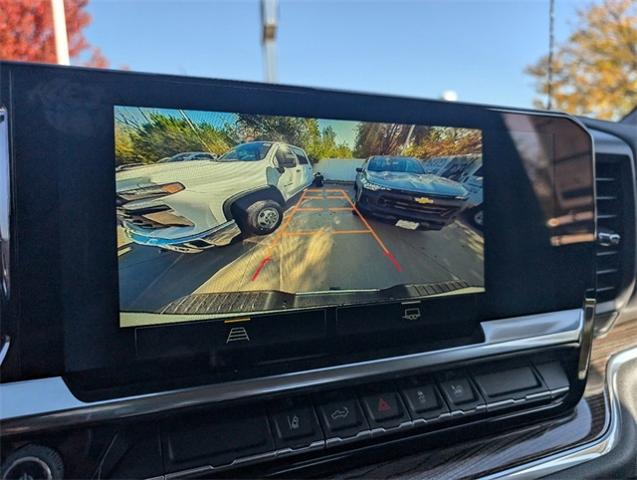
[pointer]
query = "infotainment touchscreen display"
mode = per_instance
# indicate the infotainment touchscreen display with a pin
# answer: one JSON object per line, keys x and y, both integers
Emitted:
{"x": 187, "y": 227}
{"x": 220, "y": 214}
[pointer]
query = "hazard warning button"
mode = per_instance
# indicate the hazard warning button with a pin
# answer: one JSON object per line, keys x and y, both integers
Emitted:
{"x": 384, "y": 406}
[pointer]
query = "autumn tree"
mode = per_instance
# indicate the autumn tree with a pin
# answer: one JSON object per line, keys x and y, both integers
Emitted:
{"x": 595, "y": 70}
{"x": 444, "y": 142}
{"x": 26, "y": 32}
{"x": 380, "y": 139}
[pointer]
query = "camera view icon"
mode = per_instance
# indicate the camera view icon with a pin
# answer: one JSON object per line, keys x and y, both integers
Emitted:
{"x": 238, "y": 334}
{"x": 411, "y": 313}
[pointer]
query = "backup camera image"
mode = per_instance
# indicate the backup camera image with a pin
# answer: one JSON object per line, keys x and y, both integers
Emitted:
{"x": 226, "y": 214}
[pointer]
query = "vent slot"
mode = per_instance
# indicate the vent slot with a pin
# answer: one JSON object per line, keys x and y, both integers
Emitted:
{"x": 611, "y": 215}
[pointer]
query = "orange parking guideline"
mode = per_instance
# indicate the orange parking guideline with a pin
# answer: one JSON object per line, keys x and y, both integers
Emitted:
{"x": 316, "y": 232}
{"x": 316, "y": 197}
{"x": 286, "y": 223}
{"x": 282, "y": 232}
{"x": 324, "y": 190}
{"x": 371, "y": 230}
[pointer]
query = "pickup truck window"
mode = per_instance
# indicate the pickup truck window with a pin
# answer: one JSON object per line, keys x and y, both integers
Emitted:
{"x": 395, "y": 164}
{"x": 300, "y": 155}
{"x": 248, "y": 152}
{"x": 285, "y": 156}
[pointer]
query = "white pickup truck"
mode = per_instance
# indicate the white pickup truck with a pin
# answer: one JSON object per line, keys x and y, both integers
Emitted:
{"x": 190, "y": 206}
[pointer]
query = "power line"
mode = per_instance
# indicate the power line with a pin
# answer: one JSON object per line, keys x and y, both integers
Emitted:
{"x": 549, "y": 88}
{"x": 194, "y": 129}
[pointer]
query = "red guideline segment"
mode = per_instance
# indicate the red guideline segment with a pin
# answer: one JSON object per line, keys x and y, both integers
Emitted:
{"x": 393, "y": 260}
{"x": 260, "y": 267}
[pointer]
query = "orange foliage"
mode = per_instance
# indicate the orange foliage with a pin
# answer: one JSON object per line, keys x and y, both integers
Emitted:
{"x": 446, "y": 141}
{"x": 595, "y": 70}
{"x": 26, "y": 32}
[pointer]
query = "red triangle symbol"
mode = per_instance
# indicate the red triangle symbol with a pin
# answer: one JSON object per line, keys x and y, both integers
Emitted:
{"x": 383, "y": 406}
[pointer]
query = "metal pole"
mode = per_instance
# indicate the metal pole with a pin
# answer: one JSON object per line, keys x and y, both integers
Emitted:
{"x": 59, "y": 30}
{"x": 269, "y": 14}
{"x": 549, "y": 86}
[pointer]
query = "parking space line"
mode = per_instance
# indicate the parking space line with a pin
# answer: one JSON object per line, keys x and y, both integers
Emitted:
{"x": 316, "y": 197}
{"x": 364, "y": 220}
{"x": 327, "y": 194}
{"x": 278, "y": 236}
{"x": 324, "y": 190}
{"x": 316, "y": 232}
{"x": 386, "y": 250}
{"x": 322, "y": 209}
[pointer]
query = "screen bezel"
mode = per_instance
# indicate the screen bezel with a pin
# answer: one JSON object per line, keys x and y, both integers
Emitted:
{"x": 62, "y": 116}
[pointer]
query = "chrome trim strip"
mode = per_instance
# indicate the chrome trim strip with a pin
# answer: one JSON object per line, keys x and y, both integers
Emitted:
{"x": 5, "y": 205}
{"x": 47, "y": 403}
{"x": 599, "y": 447}
{"x": 5, "y": 342}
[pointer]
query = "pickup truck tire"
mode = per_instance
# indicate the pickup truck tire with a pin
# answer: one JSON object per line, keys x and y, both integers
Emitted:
{"x": 475, "y": 217}
{"x": 261, "y": 218}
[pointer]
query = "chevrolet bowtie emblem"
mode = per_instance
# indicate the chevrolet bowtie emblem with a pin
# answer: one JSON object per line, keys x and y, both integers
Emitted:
{"x": 423, "y": 200}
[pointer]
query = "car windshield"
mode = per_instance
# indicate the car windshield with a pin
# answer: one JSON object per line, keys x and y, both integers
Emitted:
{"x": 248, "y": 152}
{"x": 395, "y": 164}
{"x": 181, "y": 157}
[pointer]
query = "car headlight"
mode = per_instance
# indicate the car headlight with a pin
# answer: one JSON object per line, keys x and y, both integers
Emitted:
{"x": 374, "y": 187}
{"x": 151, "y": 191}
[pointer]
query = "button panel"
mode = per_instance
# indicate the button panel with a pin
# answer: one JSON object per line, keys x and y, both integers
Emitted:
{"x": 458, "y": 391}
{"x": 341, "y": 417}
{"x": 236, "y": 436}
{"x": 461, "y": 396}
{"x": 423, "y": 399}
{"x": 384, "y": 408}
{"x": 554, "y": 377}
{"x": 295, "y": 425}
{"x": 503, "y": 388}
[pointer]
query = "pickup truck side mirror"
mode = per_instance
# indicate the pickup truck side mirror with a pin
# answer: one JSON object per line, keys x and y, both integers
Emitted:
{"x": 359, "y": 169}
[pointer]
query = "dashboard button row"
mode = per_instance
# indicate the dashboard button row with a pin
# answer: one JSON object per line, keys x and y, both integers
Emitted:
{"x": 301, "y": 424}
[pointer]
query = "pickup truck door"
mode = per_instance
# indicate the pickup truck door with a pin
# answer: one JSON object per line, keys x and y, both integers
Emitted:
{"x": 288, "y": 180}
{"x": 304, "y": 170}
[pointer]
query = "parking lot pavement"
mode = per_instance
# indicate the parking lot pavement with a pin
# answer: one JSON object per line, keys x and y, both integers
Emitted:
{"x": 322, "y": 245}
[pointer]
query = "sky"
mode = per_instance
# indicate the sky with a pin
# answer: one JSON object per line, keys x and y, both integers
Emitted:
{"x": 416, "y": 48}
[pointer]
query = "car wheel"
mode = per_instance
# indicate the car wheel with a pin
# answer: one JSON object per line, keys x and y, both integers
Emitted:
{"x": 476, "y": 218}
{"x": 262, "y": 217}
{"x": 33, "y": 461}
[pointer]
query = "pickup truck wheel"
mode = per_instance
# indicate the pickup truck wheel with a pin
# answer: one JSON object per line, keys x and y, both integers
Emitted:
{"x": 475, "y": 217}
{"x": 262, "y": 217}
